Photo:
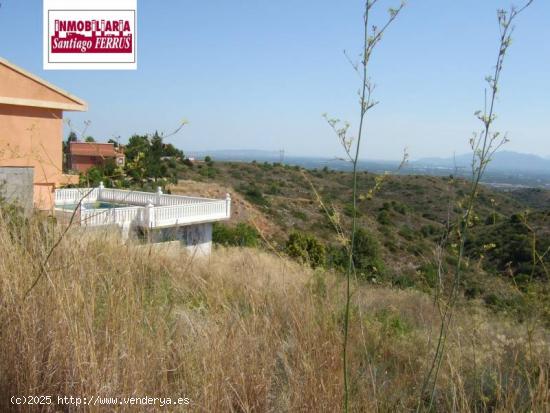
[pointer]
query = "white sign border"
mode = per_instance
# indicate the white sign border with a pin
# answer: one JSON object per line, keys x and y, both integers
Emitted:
{"x": 88, "y": 5}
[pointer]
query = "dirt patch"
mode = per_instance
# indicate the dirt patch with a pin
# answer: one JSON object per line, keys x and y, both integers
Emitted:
{"x": 241, "y": 209}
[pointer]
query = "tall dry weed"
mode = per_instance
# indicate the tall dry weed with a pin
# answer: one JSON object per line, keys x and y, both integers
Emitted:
{"x": 239, "y": 331}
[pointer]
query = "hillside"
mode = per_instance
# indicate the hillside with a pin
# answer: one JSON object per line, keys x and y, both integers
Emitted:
{"x": 242, "y": 331}
{"x": 406, "y": 217}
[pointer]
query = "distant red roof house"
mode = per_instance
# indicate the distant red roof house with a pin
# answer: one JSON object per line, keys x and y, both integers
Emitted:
{"x": 85, "y": 155}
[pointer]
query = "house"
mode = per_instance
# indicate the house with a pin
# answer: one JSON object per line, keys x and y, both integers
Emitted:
{"x": 31, "y": 154}
{"x": 31, "y": 129}
{"x": 82, "y": 156}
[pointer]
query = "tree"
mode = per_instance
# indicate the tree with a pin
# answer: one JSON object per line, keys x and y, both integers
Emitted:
{"x": 89, "y": 139}
{"x": 154, "y": 157}
{"x": 136, "y": 144}
{"x": 137, "y": 168}
{"x": 72, "y": 137}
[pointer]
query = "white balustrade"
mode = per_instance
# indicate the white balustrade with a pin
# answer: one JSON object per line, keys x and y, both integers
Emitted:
{"x": 109, "y": 216}
{"x": 145, "y": 208}
{"x": 75, "y": 195}
{"x": 190, "y": 213}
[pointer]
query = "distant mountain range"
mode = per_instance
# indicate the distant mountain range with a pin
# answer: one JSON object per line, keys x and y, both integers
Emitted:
{"x": 236, "y": 154}
{"x": 503, "y": 161}
{"x": 506, "y": 169}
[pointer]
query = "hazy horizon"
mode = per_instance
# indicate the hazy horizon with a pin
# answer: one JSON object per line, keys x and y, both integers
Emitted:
{"x": 260, "y": 75}
{"x": 302, "y": 155}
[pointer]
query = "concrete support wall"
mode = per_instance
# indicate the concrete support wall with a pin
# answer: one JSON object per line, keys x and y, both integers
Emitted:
{"x": 199, "y": 239}
{"x": 16, "y": 186}
{"x": 196, "y": 239}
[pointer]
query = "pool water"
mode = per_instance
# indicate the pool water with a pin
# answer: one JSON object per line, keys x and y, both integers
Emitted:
{"x": 93, "y": 205}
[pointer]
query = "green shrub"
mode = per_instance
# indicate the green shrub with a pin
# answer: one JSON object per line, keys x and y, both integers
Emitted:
{"x": 399, "y": 207}
{"x": 429, "y": 230}
{"x": 306, "y": 248}
{"x": 384, "y": 217}
{"x": 366, "y": 255}
{"x": 348, "y": 210}
{"x": 404, "y": 281}
{"x": 208, "y": 171}
{"x": 408, "y": 233}
{"x": 241, "y": 235}
{"x": 429, "y": 273}
{"x": 92, "y": 177}
{"x": 299, "y": 214}
{"x": 254, "y": 195}
{"x": 393, "y": 324}
{"x": 391, "y": 245}
{"x": 274, "y": 189}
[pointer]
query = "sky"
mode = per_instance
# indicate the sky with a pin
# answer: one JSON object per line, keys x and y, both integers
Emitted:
{"x": 258, "y": 74}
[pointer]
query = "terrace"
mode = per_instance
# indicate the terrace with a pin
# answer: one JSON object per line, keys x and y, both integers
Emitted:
{"x": 93, "y": 207}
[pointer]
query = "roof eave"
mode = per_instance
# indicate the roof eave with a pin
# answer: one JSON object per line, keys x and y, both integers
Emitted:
{"x": 79, "y": 105}
{"x": 76, "y": 107}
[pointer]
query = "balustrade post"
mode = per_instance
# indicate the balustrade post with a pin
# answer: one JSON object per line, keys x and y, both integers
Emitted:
{"x": 149, "y": 215}
{"x": 227, "y": 205}
{"x": 100, "y": 191}
{"x": 159, "y": 193}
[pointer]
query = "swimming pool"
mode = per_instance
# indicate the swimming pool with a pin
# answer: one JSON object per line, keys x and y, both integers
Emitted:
{"x": 93, "y": 205}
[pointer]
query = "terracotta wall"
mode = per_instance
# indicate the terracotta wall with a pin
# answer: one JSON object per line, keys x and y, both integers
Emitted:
{"x": 32, "y": 137}
{"x": 82, "y": 163}
{"x": 13, "y": 84}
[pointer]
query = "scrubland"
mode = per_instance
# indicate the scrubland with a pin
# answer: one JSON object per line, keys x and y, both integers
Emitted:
{"x": 242, "y": 330}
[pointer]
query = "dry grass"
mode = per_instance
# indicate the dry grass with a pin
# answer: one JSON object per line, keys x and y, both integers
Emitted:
{"x": 241, "y": 331}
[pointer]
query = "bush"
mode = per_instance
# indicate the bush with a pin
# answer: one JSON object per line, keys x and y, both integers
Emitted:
{"x": 399, "y": 207}
{"x": 384, "y": 218}
{"x": 403, "y": 281}
{"x": 306, "y": 248}
{"x": 348, "y": 210}
{"x": 254, "y": 195}
{"x": 208, "y": 171}
{"x": 299, "y": 214}
{"x": 92, "y": 177}
{"x": 429, "y": 230}
{"x": 242, "y": 235}
{"x": 408, "y": 233}
{"x": 366, "y": 254}
{"x": 274, "y": 189}
{"x": 429, "y": 272}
